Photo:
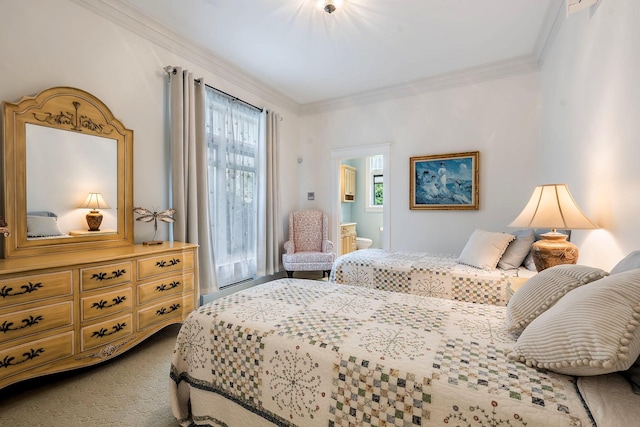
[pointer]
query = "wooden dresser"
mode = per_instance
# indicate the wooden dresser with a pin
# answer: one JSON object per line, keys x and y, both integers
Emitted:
{"x": 68, "y": 310}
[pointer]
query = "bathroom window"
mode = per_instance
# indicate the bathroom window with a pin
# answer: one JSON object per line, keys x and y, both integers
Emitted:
{"x": 374, "y": 183}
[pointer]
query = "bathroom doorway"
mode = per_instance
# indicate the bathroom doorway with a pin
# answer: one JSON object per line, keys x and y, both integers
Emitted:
{"x": 371, "y": 227}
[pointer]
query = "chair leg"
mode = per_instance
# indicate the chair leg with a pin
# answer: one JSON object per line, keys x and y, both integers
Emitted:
{"x": 289, "y": 274}
{"x": 328, "y": 273}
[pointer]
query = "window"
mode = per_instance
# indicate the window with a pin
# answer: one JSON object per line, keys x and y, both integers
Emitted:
{"x": 374, "y": 183}
{"x": 232, "y": 130}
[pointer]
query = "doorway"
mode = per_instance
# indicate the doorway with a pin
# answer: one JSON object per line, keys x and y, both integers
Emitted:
{"x": 337, "y": 156}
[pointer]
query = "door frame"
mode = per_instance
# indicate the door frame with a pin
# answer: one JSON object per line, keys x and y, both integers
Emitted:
{"x": 357, "y": 152}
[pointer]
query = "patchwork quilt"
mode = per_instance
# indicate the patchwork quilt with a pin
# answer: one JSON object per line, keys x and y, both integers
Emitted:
{"x": 425, "y": 274}
{"x": 297, "y": 352}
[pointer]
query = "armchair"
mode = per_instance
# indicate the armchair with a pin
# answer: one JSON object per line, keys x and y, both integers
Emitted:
{"x": 308, "y": 247}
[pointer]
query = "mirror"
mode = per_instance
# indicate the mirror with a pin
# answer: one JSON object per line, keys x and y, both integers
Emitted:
{"x": 59, "y": 146}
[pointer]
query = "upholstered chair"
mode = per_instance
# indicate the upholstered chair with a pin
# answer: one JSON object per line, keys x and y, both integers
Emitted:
{"x": 308, "y": 247}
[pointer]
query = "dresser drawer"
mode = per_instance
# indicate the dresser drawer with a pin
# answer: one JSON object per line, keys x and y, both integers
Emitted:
{"x": 166, "y": 287}
{"x": 26, "y": 322}
{"x": 170, "y": 262}
{"x": 16, "y": 359}
{"x": 106, "y": 303}
{"x": 23, "y": 289}
{"x": 105, "y": 275}
{"x": 176, "y": 308}
{"x": 102, "y": 333}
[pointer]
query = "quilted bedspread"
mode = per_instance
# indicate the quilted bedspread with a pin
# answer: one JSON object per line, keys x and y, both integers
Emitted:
{"x": 424, "y": 274}
{"x": 311, "y": 353}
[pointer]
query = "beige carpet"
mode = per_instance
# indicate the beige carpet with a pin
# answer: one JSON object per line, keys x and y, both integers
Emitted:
{"x": 130, "y": 390}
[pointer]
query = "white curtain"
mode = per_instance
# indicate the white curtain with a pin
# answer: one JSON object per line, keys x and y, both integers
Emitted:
{"x": 189, "y": 186}
{"x": 233, "y": 135}
{"x": 269, "y": 206}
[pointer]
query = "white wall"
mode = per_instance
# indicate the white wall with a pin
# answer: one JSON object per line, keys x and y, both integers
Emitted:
{"x": 499, "y": 118}
{"x": 591, "y": 124}
{"x": 59, "y": 43}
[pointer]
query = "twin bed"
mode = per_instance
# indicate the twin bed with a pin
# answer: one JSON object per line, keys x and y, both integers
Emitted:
{"x": 295, "y": 352}
{"x": 425, "y": 274}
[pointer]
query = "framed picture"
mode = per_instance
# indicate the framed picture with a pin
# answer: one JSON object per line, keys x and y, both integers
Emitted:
{"x": 444, "y": 181}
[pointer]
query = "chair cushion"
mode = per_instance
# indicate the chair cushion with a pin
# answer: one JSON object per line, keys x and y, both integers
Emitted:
{"x": 308, "y": 231}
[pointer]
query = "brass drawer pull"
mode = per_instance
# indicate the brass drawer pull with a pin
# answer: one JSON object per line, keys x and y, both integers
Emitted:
{"x": 170, "y": 263}
{"x": 163, "y": 310}
{"x": 103, "y": 276}
{"x": 165, "y": 287}
{"x": 32, "y": 354}
{"x": 7, "y": 326}
{"x": 105, "y": 332}
{"x": 31, "y": 287}
{"x": 104, "y": 304}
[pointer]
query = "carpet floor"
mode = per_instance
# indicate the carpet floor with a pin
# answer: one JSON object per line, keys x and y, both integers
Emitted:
{"x": 129, "y": 390}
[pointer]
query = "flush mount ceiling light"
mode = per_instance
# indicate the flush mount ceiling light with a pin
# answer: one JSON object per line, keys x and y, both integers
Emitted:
{"x": 330, "y": 6}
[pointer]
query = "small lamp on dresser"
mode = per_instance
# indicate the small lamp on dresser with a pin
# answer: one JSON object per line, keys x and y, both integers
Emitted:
{"x": 94, "y": 201}
{"x": 552, "y": 206}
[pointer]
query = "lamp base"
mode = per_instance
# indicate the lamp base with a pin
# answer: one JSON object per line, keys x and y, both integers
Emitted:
{"x": 553, "y": 249}
{"x": 94, "y": 219}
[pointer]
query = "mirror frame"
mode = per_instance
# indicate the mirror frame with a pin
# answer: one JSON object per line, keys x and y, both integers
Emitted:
{"x": 72, "y": 110}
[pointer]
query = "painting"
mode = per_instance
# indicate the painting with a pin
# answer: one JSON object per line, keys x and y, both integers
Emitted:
{"x": 444, "y": 181}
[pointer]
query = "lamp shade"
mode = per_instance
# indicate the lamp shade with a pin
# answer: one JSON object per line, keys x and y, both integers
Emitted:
{"x": 94, "y": 201}
{"x": 552, "y": 206}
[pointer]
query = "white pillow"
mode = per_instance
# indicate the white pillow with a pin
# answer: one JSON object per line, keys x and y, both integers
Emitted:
{"x": 629, "y": 262}
{"x": 484, "y": 249}
{"x": 42, "y": 226}
{"x": 517, "y": 250}
{"x": 592, "y": 330}
{"x": 543, "y": 290}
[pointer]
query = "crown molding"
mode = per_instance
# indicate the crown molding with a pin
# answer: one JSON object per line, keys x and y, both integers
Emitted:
{"x": 496, "y": 70}
{"x": 132, "y": 19}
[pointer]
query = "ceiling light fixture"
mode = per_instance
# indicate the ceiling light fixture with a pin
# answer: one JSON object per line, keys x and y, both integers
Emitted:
{"x": 329, "y": 7}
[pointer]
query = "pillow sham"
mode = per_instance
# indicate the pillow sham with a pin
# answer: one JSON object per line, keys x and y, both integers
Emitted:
{"x": 517, "y": 250}
{"x": 42, "y": 226}
{"x": 592, "y": 330}
{"x": 484, "y": 249}
{"x": 543, "y": 290}
{"x": 627, "y": 263}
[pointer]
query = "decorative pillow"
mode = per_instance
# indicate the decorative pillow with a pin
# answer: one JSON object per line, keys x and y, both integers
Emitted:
{"x": 633, "y": 376}
{"x": 42, "y": 226}
{"x": 592, "y": 330}
{"x": 484, "y": 249}
{"x": 517, "y": 250}
{"x": 630, "y": 262}
{"x": 528, "y": 261}
{"x": 544, "y": 289}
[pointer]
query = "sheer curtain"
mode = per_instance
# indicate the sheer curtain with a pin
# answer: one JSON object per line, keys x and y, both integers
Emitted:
{"x": 189, "y": 185}
{"x": 233, "y": 137}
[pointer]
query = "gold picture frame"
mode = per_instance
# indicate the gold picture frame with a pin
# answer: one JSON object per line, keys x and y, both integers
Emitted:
{"x": 444, "y": 181}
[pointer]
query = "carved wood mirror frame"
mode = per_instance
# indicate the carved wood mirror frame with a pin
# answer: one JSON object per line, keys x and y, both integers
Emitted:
{"x": 71, "y": 110}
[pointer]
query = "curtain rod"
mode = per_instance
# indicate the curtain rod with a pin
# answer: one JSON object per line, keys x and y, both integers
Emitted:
{"x": 232, "y": 97}
{"x": 172, "y": 70}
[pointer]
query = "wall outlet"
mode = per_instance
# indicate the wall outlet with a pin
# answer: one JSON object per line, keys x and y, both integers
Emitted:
{"x": 311, "y": 195}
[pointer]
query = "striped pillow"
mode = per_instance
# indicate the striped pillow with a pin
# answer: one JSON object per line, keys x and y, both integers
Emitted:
{"x": 544, "y": 289}
{"x": 592, "y": 330}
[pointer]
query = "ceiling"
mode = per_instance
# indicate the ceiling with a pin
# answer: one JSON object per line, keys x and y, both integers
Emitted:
{"x": 299, "y": 50}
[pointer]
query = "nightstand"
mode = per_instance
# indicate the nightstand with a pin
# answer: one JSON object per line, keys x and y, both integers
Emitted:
{"x": 514, "y": 284}
{"x": 92, "y": 233}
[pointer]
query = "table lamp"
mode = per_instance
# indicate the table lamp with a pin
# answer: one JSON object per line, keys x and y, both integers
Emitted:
{"x": 552, "y": 206}
{"x": 94, "y": 201}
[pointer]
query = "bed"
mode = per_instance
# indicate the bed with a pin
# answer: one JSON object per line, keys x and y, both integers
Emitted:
{"x": 313, "y": 353}
{"x": 425, "y": 274}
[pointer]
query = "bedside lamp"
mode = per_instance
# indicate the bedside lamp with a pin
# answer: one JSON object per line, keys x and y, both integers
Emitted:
{"x": 94, "y": 201}
{"x": 552, "y": 206}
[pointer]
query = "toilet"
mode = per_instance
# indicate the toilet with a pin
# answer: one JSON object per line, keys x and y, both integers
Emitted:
{"x": 363, "y": 242}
